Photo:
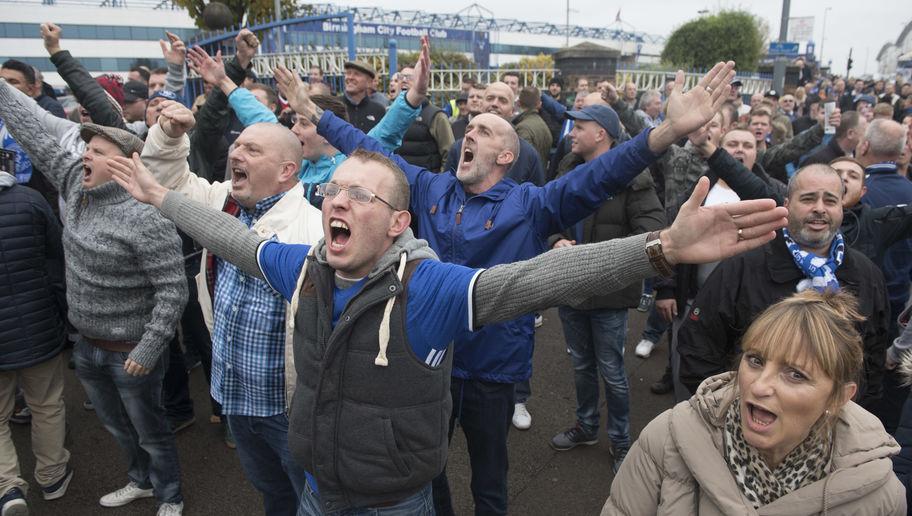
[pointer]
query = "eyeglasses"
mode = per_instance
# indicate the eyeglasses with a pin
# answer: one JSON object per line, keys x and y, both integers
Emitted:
{"x": 356, "y": 193}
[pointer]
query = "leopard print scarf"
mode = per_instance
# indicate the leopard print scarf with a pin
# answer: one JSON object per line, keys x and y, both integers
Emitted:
{"x": 805, "y": 464}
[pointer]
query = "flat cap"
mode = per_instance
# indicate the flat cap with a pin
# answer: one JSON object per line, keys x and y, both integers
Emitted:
{"x": 127, "y": 142}
{"x": 361, "y": 66}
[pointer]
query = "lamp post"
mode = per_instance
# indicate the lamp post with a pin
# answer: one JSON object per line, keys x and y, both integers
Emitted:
{"x": 823, "y": 37}
{"x": 781, "y": 61}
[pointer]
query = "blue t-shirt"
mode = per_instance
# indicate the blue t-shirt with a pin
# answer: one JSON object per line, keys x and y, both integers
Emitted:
{"x": 439, "y": 296}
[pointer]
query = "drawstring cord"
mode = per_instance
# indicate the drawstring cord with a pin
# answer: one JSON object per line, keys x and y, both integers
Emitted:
{"x": 381, "y": 359}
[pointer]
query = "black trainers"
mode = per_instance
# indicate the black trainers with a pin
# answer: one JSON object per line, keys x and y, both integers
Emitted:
{"x": 13, "y": 503}
{"x": 619, "y": 452}
{"x": 58, "y": 488}
{"x": 572, "y": 438}
{"x": 22, "y": 416}
{"x": 664, "y": 385}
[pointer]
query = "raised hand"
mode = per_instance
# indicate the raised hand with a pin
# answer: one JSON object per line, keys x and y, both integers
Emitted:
{"x": 175, "y": 119}
{"x": 701, "y": 141}
{"x": 212, "y": 70}
{"x": 703, "y": 234}
{"x": 610, "y": 94}
{"x": 174, "y": 51}
{"x": 245, "y": 44}
{"x": 51, "y": 33}
{"x": 296, "y": 92}
{"x": 135, "y": 178}
{"x": 687, "y": 112}
{"x": 418, "y": 92}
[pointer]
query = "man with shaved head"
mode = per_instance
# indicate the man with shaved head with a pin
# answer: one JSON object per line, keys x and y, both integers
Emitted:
{"x": 251, "y": 345}
{"x": 475, "y": 215}
{"x": 527, "y": 165}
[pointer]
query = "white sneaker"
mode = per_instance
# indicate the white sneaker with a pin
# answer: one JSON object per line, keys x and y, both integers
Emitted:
{"x": 171, "y": 509}
{"x": 522, "y": 420}
{"x": 539, "y": 320}
{"x": 644, "y": 348}
{"x": 125, "y": 495}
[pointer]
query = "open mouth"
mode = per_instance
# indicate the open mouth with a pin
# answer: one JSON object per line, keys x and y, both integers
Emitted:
{"x": 818, "y": 224}
{"x": 760, "y": 417}
{"x": 339, "y": 234}
{"x": 86, "y": 173}
{"x": 238, "y": 175}
{"x": 468, "y": 156}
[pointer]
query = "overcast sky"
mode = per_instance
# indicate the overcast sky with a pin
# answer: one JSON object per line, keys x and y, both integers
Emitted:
{"x": 865, "y": 28}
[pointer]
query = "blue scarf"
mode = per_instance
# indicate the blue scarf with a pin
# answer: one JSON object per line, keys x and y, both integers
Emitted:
{"x": 820, "y": 271}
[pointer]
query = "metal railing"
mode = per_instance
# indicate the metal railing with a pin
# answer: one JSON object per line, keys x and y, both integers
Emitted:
{"x": 655, "y": 80}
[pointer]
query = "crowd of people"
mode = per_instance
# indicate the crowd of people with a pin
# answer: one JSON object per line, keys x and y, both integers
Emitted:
{"x": 360, "y": 274}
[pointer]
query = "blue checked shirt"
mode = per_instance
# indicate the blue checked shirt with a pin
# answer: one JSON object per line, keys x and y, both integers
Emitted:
{"x": 248, "y": 338}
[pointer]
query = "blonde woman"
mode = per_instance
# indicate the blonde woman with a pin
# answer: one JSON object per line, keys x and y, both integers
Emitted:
{"x": 780, "y": 435}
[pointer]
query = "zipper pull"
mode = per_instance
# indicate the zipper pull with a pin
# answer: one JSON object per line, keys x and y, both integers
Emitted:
{"x": 459, "y": 214}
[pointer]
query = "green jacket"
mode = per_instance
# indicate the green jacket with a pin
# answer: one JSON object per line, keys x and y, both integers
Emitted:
{"x": 531, "y": 127}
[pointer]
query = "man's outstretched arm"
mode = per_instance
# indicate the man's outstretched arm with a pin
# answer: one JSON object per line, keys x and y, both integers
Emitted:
{"x": 223, "y": 235}
{"x": 571, "y": 274}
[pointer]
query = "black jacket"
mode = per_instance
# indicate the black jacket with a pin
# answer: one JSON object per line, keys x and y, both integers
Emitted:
{"x": 743, "y": 286}
{"x": 632, "y": 211}
{"x": 365, "y": 114}
{"x": 216, "y": 129}
{"x": 87, "y": 91}
{"x": 825, "y": 154}
{"x": 32, "y": 292}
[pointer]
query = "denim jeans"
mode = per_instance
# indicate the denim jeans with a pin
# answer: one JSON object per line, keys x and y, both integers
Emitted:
{"x": 262, "y": 447}
{"x": 176, "y": 385}
{"x": 655, "y": 326}
{"x": 523, "y": 390}
{"x": 596, "y": 341}
{"x": 130, "y": 407}
{"x": 419, "y": 504}
{"x": 485, "y": 412}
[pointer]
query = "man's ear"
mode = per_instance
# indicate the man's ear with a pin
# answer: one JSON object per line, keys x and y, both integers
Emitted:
{"x": 289, "y": 171}
{"x": 399, "y": 222}
{"x": 505, "y": 157}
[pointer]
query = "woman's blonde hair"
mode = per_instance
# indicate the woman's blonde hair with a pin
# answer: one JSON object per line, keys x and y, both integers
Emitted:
{"x": 812, "y": 327}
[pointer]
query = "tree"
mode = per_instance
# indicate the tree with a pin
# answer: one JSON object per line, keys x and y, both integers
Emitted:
{"x": 439, "y": 59}
{"x": 539, "y": 62}
{"x": 255, "y": 10}
{"x": 727, "y": 35}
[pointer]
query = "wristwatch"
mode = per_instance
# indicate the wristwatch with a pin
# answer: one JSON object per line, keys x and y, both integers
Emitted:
{"x": 656, "y": 256}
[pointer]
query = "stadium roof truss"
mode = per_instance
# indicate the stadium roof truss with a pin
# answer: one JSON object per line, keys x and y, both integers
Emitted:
{"x": 476, "y": 22}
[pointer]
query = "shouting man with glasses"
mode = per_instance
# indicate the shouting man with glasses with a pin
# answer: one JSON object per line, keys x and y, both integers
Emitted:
{"x": 251, "y": 344}
{"x": 374, "y": 313}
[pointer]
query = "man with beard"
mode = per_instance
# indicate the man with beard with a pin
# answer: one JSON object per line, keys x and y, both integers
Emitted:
{"x": 810, "y": 253}
{"x": 527, "y": 167}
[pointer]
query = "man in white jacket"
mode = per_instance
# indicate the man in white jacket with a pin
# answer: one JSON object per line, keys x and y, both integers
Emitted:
{"x": 251, "y": 343}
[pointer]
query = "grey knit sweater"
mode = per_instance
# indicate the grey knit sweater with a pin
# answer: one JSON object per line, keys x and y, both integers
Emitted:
{"x": 124, "y": 267}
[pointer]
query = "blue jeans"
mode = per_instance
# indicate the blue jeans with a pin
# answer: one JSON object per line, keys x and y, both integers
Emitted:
{"x": 484, "y": 410}
{"x": 596, "y": 341}
{"x": 419, "y": 504}
{"x": 655, "y": 326}
{"x": 130, "y": 407}
{"x": 262, "y": 447}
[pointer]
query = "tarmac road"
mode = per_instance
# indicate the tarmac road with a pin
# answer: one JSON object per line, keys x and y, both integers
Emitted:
{"x": 542, "y": 481}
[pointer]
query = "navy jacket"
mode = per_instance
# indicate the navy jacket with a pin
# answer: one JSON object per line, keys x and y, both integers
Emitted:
{"x": 32, "y": 293}
{"x": 885, "y": 188}
{"x": 507, "y": 223}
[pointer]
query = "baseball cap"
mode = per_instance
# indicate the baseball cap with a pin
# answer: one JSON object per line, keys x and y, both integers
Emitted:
{"x": 602, "y": 115}
{"x": 462, "y": 97}
{"x": 135, "y": 90}
{"x": 772, "y": 93}
{"x": 736, "y": 82}
{"x": 126, "y": 141}
{"x": 167, "y": 95}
